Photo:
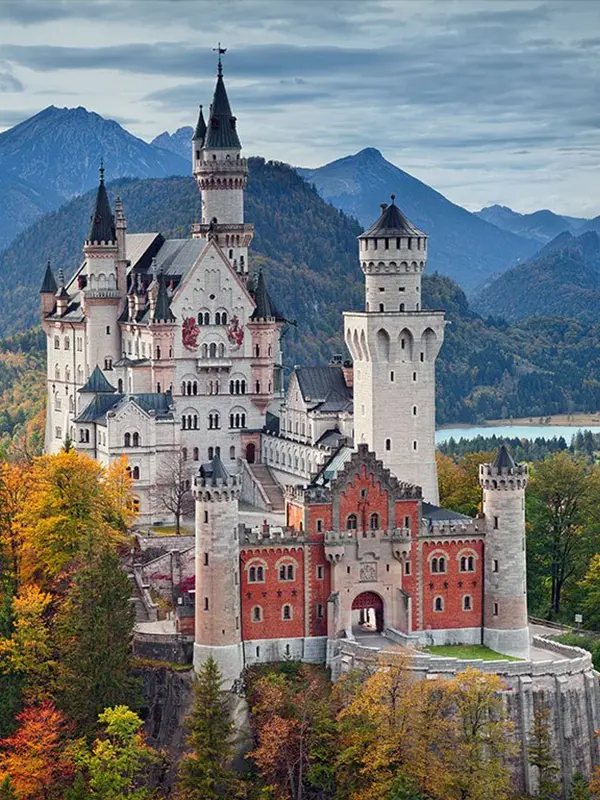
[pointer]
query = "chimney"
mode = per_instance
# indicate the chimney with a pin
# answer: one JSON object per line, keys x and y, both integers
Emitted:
{"x": 348, "y": 370}
{"x": 383, "y": 207}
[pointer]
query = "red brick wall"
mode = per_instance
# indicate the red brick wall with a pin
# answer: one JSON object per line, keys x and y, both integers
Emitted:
{"x": 318, "y": 511}
{"x": 294, "y": 515}
{"x": 451, "y": 586}
{"x": 408, "y": 508}
{"x": 272, "y": 595}
{"x": 351, "y": 502}
{"x": 320, "y": 589}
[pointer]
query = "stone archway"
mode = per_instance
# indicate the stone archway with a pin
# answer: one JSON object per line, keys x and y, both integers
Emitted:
{"x": 370, "y": 601}
{"x": 250, "y": 452}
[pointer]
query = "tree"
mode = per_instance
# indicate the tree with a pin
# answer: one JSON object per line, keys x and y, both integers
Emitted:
{"x": 119, "y": 487}
{"x": 205, "y": 774}
{"x": 541, "y": 754}
{"x": 94, "y": 629}
{"x": 27, "y": 652}
{"x": 7, "y": 790}
{"x": 172, "y": 489}
{"x": 579, "y": 788}
{"x": 118, "y": 764}
{"x": 15, "y": 488}
{"x": 459, "y": 481}
{"x": 590, "y": 587}
{"x": 37, "y": 756}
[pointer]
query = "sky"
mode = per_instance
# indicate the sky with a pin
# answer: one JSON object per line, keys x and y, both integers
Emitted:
{"x": 488, "y": 101}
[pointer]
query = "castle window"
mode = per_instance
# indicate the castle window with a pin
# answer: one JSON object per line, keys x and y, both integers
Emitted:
{"x": 67, "y": 344}
{"x": 214, "y": 421}
{"x": 381, "y": 307}
{"x": 388, "y": 444}
{"x": 495, "y": 609}
{"x": 351, "y": 522}
{"x": 212, "y": 350}
{"x": 438, "y": 604}
{"x": 57, "y": 372}
{"x": 206, "y": 559}
{"x": 257, "y": 614}
{"x": 387, "y": 244}
{"x": 438, "y": 564}
{"x": 108, "y": 330}
{"x": 211, "y": 453}
{"x": 392, "y": 376}
{"x": 422, "y": 356}
{"x": 467, "y": 603}
{"x": 206, "y": 517}
{"x": 401, "y": 306}
{"x": 218, "y": 318}
{"x": 409, "y": 243}
{"x": 184, "y": 453}
{"x": 256, "y": 573}
{"x": 232, "y": 453}
{"x": 196, "y": 454}
{"x": 319, "y": 525}
{"x": 158, "y": 353}
{"x": 206, "y": 603}
{"x": 495, "y": 565}
{"x": 401, "y": 288}
{"x": 467, "y": 564}
{"x": 286, "y": 572}
{"x": 407, "y": 567}
{"x": 258, "y": 392}
{"x": 127, "y": 440}
{"x": 403, "y": 343}
{"x": 135, "y": 473}
{"x": 120, "y": 385}
{"x": 414, "y": 411}
{"x": 374, "y": 522}
{"x": 414, "y": 377}
{"x": 57, "y": 342}
{"x": 258, "y": 651}
{"x": 407, "y": 522}
{"x": 135, "y": 505}
{"x": 382, "y": 288}
{"x": 135, "y": 439}
{"x": 108, "y": 364}
{"x": 415, "y": 445}
{"x": 286, "y": 612}
{"x": 319, "y": 611}
{"x": 320, "y": 572}
{"x": 496, "y": 523}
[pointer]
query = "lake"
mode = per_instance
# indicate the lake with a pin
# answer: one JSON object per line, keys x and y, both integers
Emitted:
{"x": 512, "y": 431}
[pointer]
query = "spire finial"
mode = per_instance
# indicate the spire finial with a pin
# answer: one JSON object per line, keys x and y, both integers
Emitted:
{"x": 221, "y": 51}
{"x": 393, "y": 197}
{"x": 101, "y": 170}
{"x": 61, "y": 277}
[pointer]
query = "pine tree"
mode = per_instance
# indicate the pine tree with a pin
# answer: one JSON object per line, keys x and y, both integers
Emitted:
{"x": 95, "y": 627}
{"x": 579, "y": 788}
{"x": 541, "y": 754}
{"x": 206, "y": 773}
{"x": 7, "y": 790}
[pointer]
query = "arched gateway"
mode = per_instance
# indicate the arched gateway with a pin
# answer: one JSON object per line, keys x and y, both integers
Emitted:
{"x": 369, "y": 601}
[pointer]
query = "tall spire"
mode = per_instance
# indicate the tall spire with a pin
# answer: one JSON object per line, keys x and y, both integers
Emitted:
{"x": 221, "y": 130}
{"x": 200, "y": 131}
{"x": 162, "y": 310}
{"x": 102, "y": 228}
{"x": 49, "y": 283}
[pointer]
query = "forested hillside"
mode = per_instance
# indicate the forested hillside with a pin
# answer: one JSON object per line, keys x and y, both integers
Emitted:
{"x": 487, "y": 368}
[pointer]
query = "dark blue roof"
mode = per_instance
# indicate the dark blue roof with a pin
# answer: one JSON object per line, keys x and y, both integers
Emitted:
{"x": 96, "y": 410}
{"x": 221, "y": 129}
{"x": 392, "y": 222}
{"x": 102, "y": 228}
{"x": 49, "y": 283}
{"x": 97, "y": 384}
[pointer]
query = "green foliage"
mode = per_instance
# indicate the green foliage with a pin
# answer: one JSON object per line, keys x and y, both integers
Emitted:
{"x": 205, "y": 774}
{"x": 579, "y": 788}
{"x": 541, "y": 754}
{"x": 584, "y": 640}
{"x": 94, "y": 629}
{"x": 7, "y": 791}
{"x": 404, "y": 788}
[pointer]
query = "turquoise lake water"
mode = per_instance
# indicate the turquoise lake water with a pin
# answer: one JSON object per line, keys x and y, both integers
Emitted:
{"x": 510, "y": 431}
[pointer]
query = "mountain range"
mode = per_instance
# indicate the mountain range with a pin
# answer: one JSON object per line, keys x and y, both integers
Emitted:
{"x": 461, "y": 244}
{"x": 487, "y": 368}
{"x": 562, "y": 280}
{"x": 542, "y": 226}
{"x": 54, "y": 156}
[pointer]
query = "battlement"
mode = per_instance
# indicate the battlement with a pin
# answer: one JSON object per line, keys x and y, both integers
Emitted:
{"x": 269, "y": 535}
{"x": 451, "y": 529}
{"x": 382, "y": 535}
{"x": 217, "y": 488}
{"x": 491, "y": 477}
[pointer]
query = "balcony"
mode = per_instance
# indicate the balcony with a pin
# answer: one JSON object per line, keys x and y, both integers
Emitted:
{"x": 217, "y": 364}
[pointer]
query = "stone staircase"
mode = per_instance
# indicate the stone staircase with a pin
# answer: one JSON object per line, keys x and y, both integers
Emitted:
{"x": 271, "y": 488}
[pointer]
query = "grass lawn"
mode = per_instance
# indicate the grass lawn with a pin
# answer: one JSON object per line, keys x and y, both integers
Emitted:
{"x": 468, "y": 651}
{"x": 169, "y": 530}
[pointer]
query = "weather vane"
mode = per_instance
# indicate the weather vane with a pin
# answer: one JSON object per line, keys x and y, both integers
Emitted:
{"x": 221, "y": 51}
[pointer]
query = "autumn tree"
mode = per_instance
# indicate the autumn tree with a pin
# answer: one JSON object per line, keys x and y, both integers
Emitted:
{"x": 459, "y": 481}
{"x": 94, "y": 629}
{"x": 541, "y": 754}
{"x": 119, "y": 763}
{"x": 172, "y": 489}
{"x": 205, "y": 773}
{"x": 38, "y": 757}
{"x": 119, "y": 490}
{"x": 7, "y": 789}
{"x": 15, "y": 488}
{"x": 69, "y": 503}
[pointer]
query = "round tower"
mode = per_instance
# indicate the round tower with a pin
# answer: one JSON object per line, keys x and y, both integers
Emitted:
{"x": 218, "y": 628}
{"x": 505, "y": 627}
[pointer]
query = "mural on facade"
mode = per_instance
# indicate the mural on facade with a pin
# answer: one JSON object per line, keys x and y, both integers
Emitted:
{"x": 235, "y": 332}
{"x": 190, "y": 330}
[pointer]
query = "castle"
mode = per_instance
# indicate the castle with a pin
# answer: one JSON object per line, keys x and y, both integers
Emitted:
{"x": 168, "y": 349}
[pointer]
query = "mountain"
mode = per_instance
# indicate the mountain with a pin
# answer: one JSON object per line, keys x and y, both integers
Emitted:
{"x": 461, "y": 245}
{"x": 563, "y": 279}
{"x": 540, "y": 225}
{"x": 179, "y": 142}
{"x": 591, "y": 225}
{"x": 54, "y": 155}
{"x": 487, "y": 369}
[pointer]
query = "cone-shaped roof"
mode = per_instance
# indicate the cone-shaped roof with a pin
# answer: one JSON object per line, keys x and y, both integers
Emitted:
{"x": 214, "y": 471}
{"x": 200, "y": 131}
{"x": 102, "y": 228}
{"x": 49, "y": 283}
{"x": 97, "y": 384}
{"x": 503, "y": 459}
{"x": 392, "y": 222}
{"x": 162, "y": 309}
{"x": 265, "y": 308}
{"x": 221, "y": 128}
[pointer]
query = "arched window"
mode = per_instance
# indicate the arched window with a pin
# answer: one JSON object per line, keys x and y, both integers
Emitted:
{"x": 438, "y": 604}
{"x": 120, "y": 385}
{"x": 196, "y": 454}
{"x": 218, "y": 318}
{"x": 80, "y": 376}
{"x": 135, "y": 440}
{"x": 127, "y": 440}
{"x": 57, "y": 373}
{"x": 135, "y": 473}
{"x": 252, "y": 575}
{"x": 221, "y": 350}
{"x": 211, "y": 453}
{"x": 388, "y": 444}
{"x": 374, "y": 522}
{"x": 441, "y": 564}
{"x": 260, "y": 573}
{"x": 195, "y": 387}
{"x": 351, "y": 522}
{"x": 434, "y": 565}
{"x": 205, "y": 351}
{"x": 232, "y": 453}
{"x": 257, "y": 614}
{"x": 286, "y": 611}
{"x": 467, "y": 603}
{"x": 184, "y": 453}
{"x": 195, "y": 422}
{"x": 223, "y": 318}
{"x": 257, "y": 351}
{"x": 212, "y": 350}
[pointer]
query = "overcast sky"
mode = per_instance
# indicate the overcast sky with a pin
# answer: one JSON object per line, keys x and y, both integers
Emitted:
{"x": 485, "y": 100}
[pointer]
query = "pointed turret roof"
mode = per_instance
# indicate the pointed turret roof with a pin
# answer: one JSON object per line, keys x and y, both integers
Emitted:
{"x": 503, "y": 459}
{"x": 49, "y": 283}
{"x": 200, "y": 131}
{"x": 392, "y": 222}
{"x": 61, "y": 290}
{"x": 97, "y": 384}
{"x": 102, "y": 228}
{"x": 162, "y": 309}
{"x": 221, "y": 128}
{"x": 265, "y": 308}
{"x": 214, "y": 471}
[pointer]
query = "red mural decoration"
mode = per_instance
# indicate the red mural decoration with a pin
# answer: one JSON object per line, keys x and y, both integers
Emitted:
{"x": 189, "y": 333}
{"x": 235, "y": 332}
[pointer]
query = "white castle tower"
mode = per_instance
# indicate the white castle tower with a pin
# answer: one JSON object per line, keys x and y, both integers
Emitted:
{"x": 394, "y": 344}
{"x": 218, "y": 618}
{"x": 505, "y": 626}
{"x": 222, "y": 174}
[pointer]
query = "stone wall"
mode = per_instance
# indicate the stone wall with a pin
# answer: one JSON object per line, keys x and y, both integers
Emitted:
{"x": 567, "y": 686}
